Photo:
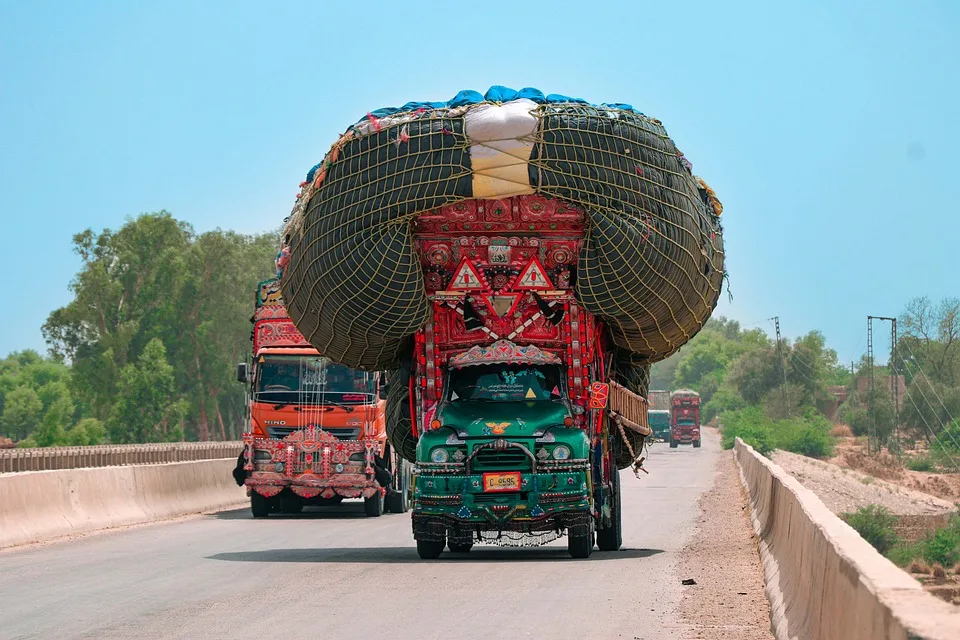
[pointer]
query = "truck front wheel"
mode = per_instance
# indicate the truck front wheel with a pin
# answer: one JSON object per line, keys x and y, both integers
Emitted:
{"x": 673, "y": 444}
{"x": 259, "y": 505}
{"x": 430, "y": 549}
{"x": 397, "y": 500}
{"x": 696, "y": 443}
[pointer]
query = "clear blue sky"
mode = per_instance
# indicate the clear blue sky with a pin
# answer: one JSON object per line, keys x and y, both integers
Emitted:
{"x": 830, "y": 130}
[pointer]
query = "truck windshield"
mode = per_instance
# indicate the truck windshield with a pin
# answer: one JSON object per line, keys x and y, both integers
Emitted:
{"x": 686, "y": 423}
{"x": 659, "y": 419}
{"x": 293, "y": 379}
{"x": 506, "y": 383}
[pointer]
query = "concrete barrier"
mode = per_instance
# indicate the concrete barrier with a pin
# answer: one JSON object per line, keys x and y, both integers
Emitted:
{"x": 823, "y": 580}
{"x": 41, "y": 505}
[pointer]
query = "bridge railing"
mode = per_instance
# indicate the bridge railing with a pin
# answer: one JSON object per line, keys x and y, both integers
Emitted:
{"x": 45, "y": 458}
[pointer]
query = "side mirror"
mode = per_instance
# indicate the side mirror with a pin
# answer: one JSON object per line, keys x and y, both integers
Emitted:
{"x": 242, "y": 375}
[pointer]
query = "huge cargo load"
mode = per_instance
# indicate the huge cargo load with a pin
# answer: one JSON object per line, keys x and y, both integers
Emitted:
{"x": 557, "y": 245}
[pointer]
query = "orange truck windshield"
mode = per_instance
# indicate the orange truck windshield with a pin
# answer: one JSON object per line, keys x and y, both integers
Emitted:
{"x": 310, "y": 379}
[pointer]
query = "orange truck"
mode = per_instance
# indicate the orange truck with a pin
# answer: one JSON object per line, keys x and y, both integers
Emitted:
{"x": 317, "y": 429}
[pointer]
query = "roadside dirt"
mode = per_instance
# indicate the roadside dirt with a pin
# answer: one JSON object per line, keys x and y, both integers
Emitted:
{"x": 727, "y": 602}
{"x": 851, "y": 454}
{"x": 844, "y": 490}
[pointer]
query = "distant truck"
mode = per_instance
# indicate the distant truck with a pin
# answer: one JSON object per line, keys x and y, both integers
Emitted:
{"x": 660, "y": 423}
{"x": 659, "y": 400}
{"x": 317, "y": 429}
{"x": 684, "y": 418}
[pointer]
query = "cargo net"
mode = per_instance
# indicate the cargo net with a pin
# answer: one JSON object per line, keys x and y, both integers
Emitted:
{"x": 651, "y": 265}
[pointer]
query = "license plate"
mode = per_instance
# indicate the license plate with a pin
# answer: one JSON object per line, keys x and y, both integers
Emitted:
{"x": 501, "y": 481}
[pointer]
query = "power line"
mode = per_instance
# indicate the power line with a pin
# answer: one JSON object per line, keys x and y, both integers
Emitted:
{"x": 933, "y": 390}
{"x": 931, "y": 430}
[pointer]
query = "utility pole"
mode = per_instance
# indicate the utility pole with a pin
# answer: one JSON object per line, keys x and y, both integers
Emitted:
{"x": 872, "y": 433}
{"x": 783, "y": 368}
{"x": 894, "y": 374}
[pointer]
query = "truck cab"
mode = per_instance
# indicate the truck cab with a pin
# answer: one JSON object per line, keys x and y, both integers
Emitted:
{"x": 502, "y": 451}
{"x": 660, "y": 424}
{"x": 685, "y": 418}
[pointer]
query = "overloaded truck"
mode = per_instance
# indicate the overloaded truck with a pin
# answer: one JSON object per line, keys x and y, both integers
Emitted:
{"x": 317, "y": 429}
{"x": 659, "y": 400}
{"x": 515, "y": 261}
{"x": 659, "y": 413}
{"x": 684, "y": 418}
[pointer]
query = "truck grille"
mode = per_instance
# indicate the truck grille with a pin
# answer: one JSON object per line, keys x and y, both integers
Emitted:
{"x": 340, "y": 433}
{"x": 508, "y": 459}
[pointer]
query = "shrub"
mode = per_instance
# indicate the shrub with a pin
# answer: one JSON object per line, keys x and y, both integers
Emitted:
{"x": 943, "y": 546}
{"x": 841, "y": 431}
{"x": 808, "y": 435}
{"x": 937, "y": 571}
{"x": 918, "y": 566}
{"x": 920, "y": 463}
{"x": 875, "y": 525}
{"x": 751, "y": 426}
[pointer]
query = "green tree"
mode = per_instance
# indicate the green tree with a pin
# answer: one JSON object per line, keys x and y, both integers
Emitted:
{"x": 88, "y": 431}
{"x": 155, "y": 279}
{"x": 22, "y": 413}
{"x": 755, "y": 373}
{"x": 148, "y": 408}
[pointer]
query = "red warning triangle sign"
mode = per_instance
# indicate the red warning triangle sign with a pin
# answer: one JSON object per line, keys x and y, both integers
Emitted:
{"x": 466, "y": 278}
{"x": 533, "y": 276}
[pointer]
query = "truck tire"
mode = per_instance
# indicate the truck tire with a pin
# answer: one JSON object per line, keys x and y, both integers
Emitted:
{"x": 696, "y": 443}
{"x": 611, "y": 538}
{"x": 673, "y": 445}
{"x": 259, "y": 505}
{"x": 373, "y": 506}
{"x": 398, "y": 497}
{"x": 429, "y": 549}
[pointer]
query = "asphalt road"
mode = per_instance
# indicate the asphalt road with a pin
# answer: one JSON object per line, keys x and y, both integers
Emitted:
{"x": 338, "y": 574}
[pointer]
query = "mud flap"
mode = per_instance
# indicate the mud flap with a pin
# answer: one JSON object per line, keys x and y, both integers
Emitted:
{"x": 384, "y": 477}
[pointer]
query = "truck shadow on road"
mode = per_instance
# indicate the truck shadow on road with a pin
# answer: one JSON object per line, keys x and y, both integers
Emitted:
{"x": 401, "y": 555}
{"x": 348, "y": 510}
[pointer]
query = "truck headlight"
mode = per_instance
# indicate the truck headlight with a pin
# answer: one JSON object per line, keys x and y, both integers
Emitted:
{"x": 439, "y": 455}
{"x": 561, "y": 452}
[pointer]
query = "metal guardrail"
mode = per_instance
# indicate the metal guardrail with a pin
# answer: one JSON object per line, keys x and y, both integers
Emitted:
{"x": 46, "y": 458}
